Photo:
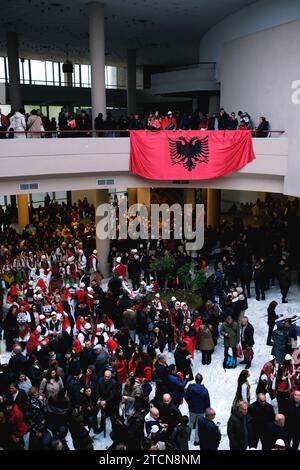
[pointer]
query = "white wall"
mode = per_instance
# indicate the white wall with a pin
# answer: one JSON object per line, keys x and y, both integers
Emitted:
{"x": 260, "y": 15}
{"x": 257, "y": 76}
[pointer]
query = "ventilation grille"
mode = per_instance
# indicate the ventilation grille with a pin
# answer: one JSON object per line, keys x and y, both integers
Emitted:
{"x": 29, "y": 186}
{"x": 105, "y": 182}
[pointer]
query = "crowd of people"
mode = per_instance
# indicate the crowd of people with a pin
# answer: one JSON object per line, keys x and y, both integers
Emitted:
{"x": 81, "y": 352}
{"x": 35, "y": 124}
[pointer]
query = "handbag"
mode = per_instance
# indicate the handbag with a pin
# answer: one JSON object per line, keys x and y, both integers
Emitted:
{"x": 230, "y": 362}
{"x": 239, "y": 351}
{"x": 248, "y": 354}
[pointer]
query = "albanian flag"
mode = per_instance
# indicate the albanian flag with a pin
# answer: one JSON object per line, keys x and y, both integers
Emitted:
{"x": 189, "y": 155}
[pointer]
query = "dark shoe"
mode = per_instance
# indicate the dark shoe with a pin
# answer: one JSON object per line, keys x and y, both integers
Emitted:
{"x": 248, "y": 366}
{"x": 263, "y": 298}
{"x": 243, "y": 362}
{"x": 285, "y": 301}
{"x": 258, "y": 299}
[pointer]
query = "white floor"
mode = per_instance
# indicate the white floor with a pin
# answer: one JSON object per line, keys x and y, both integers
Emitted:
{"x": 222, "y": 384}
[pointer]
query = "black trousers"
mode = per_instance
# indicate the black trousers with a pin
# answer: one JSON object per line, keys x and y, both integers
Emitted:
{"x": 246, "y": 287}
{"x": 206, "y": 357}
{"x": 259, "y": 291}
{"x": 269, "y": 338}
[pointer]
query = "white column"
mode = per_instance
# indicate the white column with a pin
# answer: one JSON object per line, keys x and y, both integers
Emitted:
{"x": 103, "y": 246}
{"x": 131, "y": 81}
{"x": 97, "y": 58}
{"x": 15, "y": 96}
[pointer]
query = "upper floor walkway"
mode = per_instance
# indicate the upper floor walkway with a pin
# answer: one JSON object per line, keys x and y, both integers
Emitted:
{"x": 41, "y": 165}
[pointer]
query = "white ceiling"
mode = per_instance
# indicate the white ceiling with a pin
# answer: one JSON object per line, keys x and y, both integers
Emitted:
{"x": 163, "y": 31}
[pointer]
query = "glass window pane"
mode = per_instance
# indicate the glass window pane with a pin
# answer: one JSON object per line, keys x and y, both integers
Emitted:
{"x": 111, "y": 76}
{"x": 49, "y": 73}
{"x": 38, "y": 74}
{"x": 84, "y": 75}
{"x": 26, "y": 71}
{"x": 76, "y": 75}
{"x": 2, "y": 70}
{"x": 56, "y": 73}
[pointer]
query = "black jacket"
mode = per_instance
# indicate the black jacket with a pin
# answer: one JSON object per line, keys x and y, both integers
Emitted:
{"x": 293, "y": 418}
{"x": 262, "y": 416}
{"x": 107, "y": 390}
{"x": 248, "y": 336}
{"x": 209, "y": 434}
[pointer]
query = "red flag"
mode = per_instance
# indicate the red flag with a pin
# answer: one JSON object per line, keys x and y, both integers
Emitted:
{"x": 189, "y": 155}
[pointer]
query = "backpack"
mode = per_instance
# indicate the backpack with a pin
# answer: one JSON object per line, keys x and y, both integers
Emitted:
{"x": 230, "y": 362}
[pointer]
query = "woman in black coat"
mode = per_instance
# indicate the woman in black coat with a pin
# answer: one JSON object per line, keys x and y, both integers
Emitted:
{"x": 272, "y": 317}
{"x": 183, "y": 360}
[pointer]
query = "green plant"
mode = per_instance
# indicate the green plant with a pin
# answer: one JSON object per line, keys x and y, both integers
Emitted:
{"x": 163, "y": 267}
{"x": 184, "y": 275}
{"x": 198, "y": 279}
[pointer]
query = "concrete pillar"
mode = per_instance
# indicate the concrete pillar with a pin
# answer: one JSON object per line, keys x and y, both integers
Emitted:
{"x": 144, "y": 197}
{"x": 189, "y": 196}
{"x": 102, "y": 246}
{"x": 97, "y": 58}
{"x": 131, "y": 196}
{"x": 131, "y": 81}
{"x": 68, "y": 79}
{"x": 214, "y": 104}
{"x": 13, "y": 70}
{"x": 213, "y": 206}
{"x": 23, "y": 211}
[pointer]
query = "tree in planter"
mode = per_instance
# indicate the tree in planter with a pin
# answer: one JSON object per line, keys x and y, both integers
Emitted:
{"x": 163, "y": 267}
{"x": 192, "y": 277}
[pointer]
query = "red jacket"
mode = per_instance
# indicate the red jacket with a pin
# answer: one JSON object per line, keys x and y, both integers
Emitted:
{"x": 15, "y": 419}
{"x": 120, "y": 270}
{"x": 80, "y": 296}
{"x": 167, "y": 121}
{"x": 121, "y": 368}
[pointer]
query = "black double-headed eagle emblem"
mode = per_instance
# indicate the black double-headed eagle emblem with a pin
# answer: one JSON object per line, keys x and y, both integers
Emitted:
{"x": 189, "y": 152}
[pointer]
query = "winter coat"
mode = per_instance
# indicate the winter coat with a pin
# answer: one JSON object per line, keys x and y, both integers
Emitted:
{"x": 233, "y": 332}
{"x": 101, "y": 362}
{"x": 197, "y": 398}
{"x": 51, "y": 388}
{"x": 293, "y": 418}
{"x": 280, "y": 341}
{"x": 34, "y": 124}
{"x": 176, "y": 388}
{"x": 15, "y": 419}
{"x": 169, "y": 414}
{"x": 121, "y": 368}
{"x": 18, "y": 124}
{"x": 239, "y": 430}
{"x": 263, "y": 416}
{"x": 179, "y": 438}
{"x": 209, "y": 434}
{"x": 206, "y": 341}
{"x": 248, "y": 340}
{"x": 272, "y": 316}
{"x": 284, "y": 278}
{"x": 182, "y": 363}
{"x": 107, "y": 390}
{"x": 135, "y": 431}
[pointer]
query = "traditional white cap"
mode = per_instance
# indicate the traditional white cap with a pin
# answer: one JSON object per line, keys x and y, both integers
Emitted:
{"x": 280, "y": 443}
{"x": 151, "y": 278}
{"x": 82, "y": 285}
{"x": 142, "y": 283}
{"x": 134, "y": 250}
{"x": 239, "y": 290}
{"x": 157, "y": 295}
{"x": 67, "y": 286}
{"x": 177, "y": 303}
{"x": 95, "y": 252}
{"x": 71, "y": 259}
{"x": 136, "y": 257}
{"x": 272, "y": 357}
{"x": 98, "y": 346}
{"x": 264, "y": 377}
{"x": 100, "y": 326}
{"x": 288, "y": 357}
{"x": 118, "y": 259}
{"x": 235, "y": 294}
{"x": 183, "y": 303}
{"x": 80, "y": 252}
{"x": 42, "y": 317}
{"x": 87, "y": 326}
{"x": 43, "y": 257}
{"x": 173, "y": 299}
{"x": 30, "y": 283}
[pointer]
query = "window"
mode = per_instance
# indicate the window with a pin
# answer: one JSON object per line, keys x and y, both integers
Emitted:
{"x": 49, "y": 73}
{"x": 85, "y": 76}
{"x": 38, "y": 72}
{"x": 77, "y": 75}
{"x": 2, "y": 69}
{"x": 56, "y": 74}
{"x": 110, "y": 76}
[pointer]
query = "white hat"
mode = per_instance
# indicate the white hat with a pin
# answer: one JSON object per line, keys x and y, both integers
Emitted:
{"x": 280, "y": 443}
{"x": 38, "y": 288}
{"x": 82, "y": 285}
{"x": 100, "y": 326}
{"x": 177, "y": 303}
{"x": 95, "y": 252}
{"x": 173, "y": 299}
{"x": 288, "y": 357}
{"x": 234, "y": 294}
{"x": 271, "y": 357}
{"x": 98, "y": 346}
{"x": 142, "y": 283}
{"x": 67, "y": 286}
{"x": 75, "y": 286}
{"x": 239, "y": 290}
{"x": 264, "y": 377}
{"x": 151, "y": 278}
{"x": 157, "y": 295}
{"x": 30, "y": 283}
{"x": 183, "y": 303}
{"x": 90, "y": 289}
{"x": 118, "y": 259}
{"x": 42, "y": 317}
{"x": 87, "y": 326}
{"x": 71, "y": 259}
{"x": 136, "y": 257}
{"x": 80, "y": 252}
{"x": 170, "y": 112}
{"x": 134, "y": 250}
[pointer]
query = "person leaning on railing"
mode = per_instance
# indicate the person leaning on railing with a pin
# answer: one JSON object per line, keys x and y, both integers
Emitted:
{"x": 262, "y": 130}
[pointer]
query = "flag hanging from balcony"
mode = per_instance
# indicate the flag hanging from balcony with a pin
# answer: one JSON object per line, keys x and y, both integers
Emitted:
{"x": 189, "y": 155}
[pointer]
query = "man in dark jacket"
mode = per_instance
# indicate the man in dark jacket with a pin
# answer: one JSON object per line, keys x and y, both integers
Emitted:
{"x": 278, "y": 430}
{"x": 162, "y": 375}
{"x": 223, "y": 120}
{"x": 293, "y": 419}
{"x": 106, "y": 393}
{"x": 259, "y": 280}
{"x": 169, "y": 413}
{"x": 284, "y": 278}
{"x": 239, "y": 427}
{"x": 208, "y": 432}
{"x": 263, "y": 417}
{"x": 197, "y": 398}
{"x": 135, "y": 428}
{"x": 247, "y": 340}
